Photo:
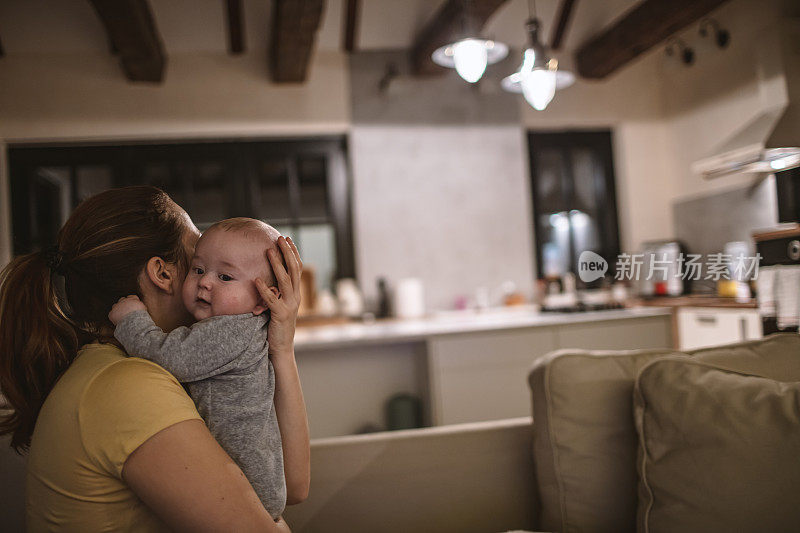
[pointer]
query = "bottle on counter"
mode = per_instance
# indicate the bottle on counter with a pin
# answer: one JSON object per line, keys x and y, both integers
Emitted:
{"x": 384, "y": 308}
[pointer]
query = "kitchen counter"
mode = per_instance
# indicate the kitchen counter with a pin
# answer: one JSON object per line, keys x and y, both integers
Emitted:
{"x": 452, "y": 322}
{"x": 351, "y": 371}
{"x": 699, "y": 300}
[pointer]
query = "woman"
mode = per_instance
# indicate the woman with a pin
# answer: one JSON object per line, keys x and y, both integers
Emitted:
{"x": 115, "y": 443}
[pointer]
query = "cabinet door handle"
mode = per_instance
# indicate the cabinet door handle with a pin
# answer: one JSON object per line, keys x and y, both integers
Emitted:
{"x": 706, "y": 319}
{"x": 743, "y": 328}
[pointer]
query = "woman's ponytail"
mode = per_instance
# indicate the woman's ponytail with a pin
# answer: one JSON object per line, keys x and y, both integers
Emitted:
{"x": 37, "y": 340}
{"x": 54, "y": 301}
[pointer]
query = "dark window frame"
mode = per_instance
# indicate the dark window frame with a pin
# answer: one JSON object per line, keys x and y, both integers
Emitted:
{"x": 239, "y": 158}
{"x": 600, "y": 142}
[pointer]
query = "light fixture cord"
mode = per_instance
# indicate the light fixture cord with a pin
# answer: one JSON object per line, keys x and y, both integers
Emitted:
{"x": 531, "y": 10}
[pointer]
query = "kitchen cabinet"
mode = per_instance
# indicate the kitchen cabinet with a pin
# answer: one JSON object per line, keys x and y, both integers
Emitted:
{"x": 483, "y": 376}
{"x": 700, "y": 327}
{"x": 634, "y": 333}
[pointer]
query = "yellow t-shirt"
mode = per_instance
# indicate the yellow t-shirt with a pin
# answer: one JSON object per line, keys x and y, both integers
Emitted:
{"x": 104, "y": 407}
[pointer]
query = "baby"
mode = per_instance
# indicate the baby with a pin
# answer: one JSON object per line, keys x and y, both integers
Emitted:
{"x": 222, "y": 359}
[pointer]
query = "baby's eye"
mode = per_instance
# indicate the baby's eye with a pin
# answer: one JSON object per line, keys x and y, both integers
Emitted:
{"x": 198, "y": 271}
{"x": 225, "y": 277}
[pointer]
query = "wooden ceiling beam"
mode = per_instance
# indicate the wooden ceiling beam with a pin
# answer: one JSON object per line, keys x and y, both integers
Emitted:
{"x": 294, "y": 29}
{"x": 132, "y": 30}
{"x": 565, "y": 10}
{"x": 641, "y": 28}
{"x": 447, "y": 26}
{"x": 235, "y": 19}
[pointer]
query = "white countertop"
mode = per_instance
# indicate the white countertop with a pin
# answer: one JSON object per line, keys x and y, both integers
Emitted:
{"x": 451, "y": 322}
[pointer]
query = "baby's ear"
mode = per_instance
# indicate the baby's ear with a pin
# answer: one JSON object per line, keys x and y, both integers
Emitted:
{"x": 262, "y": 305}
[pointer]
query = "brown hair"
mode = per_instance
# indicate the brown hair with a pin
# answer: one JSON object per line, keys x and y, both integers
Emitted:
{"x": 54, "y": 301}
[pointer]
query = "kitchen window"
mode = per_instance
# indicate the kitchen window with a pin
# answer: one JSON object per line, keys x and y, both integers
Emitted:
{"x": 299, "y": 186}
{"x": 574, "y": 200}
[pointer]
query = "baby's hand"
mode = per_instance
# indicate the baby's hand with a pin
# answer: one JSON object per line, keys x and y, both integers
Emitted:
{"x": 125, "y": 306}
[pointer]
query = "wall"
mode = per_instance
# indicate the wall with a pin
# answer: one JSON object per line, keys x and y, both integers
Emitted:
{"x": 440, "y": 181}
{"x": 82, "y": 96}
{"x": 449, "y": 205}
{"x": 711, "y": 101}
{"x": 716, "y": 101}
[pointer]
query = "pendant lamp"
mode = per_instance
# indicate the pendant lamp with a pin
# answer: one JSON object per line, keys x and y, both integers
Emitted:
{"x": 538, "y": 78}
{"x": 470, "y": 55}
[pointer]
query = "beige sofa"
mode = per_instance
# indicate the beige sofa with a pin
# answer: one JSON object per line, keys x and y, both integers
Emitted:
{"x": 621, "y": 441}
{"x": 647, "y": 440}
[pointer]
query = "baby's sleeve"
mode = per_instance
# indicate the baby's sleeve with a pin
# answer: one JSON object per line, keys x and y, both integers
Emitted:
{"x": 205, "y": 349}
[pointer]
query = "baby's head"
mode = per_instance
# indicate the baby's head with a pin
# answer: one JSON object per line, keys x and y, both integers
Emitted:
{"x": 228, "y": 258}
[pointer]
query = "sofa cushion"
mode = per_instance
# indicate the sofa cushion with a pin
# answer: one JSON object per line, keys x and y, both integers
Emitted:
{"x": 584, "y": 440}
{"x": 719, "y": 447}
{"x": 776, "y": 356}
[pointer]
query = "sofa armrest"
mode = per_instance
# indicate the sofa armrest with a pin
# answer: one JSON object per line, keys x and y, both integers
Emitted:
{"x": 460, "y": 478}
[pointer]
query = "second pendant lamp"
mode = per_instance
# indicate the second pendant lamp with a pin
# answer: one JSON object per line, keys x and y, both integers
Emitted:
{"x": 538, "y": 77}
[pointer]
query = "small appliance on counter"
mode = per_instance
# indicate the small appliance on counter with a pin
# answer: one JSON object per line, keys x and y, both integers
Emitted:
{"x": 778, "y": 281}
{"x": 663, "y": 258}
{"x": 573, "y": 301}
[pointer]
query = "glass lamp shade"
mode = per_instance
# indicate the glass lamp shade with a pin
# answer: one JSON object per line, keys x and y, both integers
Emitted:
{"x": 539, "y": 87}
{"x": 537, "y": 82}
{"x": 470, "y": 56}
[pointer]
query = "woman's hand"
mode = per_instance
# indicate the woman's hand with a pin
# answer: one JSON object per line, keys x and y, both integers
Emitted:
{"x": 284, "y": 302}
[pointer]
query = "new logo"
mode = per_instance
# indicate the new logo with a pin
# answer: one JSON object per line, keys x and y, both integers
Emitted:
{"x": 591, "y": 266}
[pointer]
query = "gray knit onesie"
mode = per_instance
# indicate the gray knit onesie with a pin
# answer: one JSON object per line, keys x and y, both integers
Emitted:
{"x": 224, "y": 364}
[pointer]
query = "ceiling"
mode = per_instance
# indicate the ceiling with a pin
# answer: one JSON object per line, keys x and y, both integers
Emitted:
{"x": 197, "y": 26}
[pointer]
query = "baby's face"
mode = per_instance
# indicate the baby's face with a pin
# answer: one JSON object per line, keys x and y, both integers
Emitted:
{"x": 221, "y": 278}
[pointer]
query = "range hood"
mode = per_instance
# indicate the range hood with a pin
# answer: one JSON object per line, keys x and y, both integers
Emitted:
{"x": 771, "y": 141}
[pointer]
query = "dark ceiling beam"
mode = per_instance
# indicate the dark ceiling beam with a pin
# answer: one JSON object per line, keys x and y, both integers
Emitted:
{"x": 234, "y": 15}
{"x": 447, "y": 26}
{"x": 351, "y": 25}
{"x": 132, "y": 30}
{"x": 641, "y": 28}
{"x": 294, "y": 29}
{"x": 562, "y": 19}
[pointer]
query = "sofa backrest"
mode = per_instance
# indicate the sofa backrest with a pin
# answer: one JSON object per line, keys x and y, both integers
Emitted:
{"x": 462, "y": 478}
{"x": 584, "y": 440}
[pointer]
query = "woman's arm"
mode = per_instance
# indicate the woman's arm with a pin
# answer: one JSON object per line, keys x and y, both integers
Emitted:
{"x": 188, "y": 481}
{"x": 290, "y": 407}
{"x": 292, "y": 421}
